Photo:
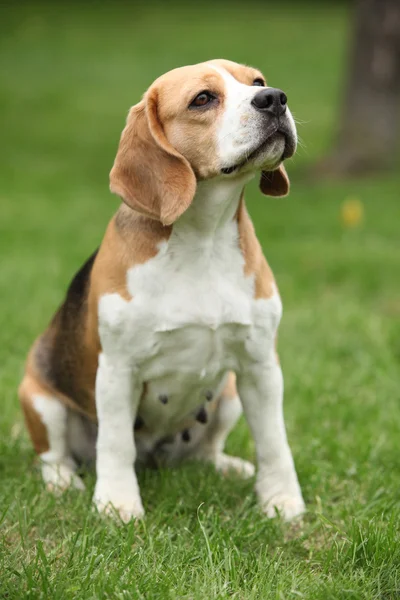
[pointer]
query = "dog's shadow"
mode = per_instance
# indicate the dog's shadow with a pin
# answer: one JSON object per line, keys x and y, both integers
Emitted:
{"x": 192, "y": 484}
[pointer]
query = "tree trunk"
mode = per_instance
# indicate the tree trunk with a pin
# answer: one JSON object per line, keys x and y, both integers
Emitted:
{"x": 368, "y": 136}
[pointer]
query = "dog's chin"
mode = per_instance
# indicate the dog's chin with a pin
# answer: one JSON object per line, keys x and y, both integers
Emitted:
{"x": 267, "y": 156}
{"x": 270, "y": 155}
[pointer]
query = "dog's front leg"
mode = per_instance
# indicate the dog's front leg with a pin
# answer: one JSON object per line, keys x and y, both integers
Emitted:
{"x": 261, "y": 392}
{"x": 117, "y": 399}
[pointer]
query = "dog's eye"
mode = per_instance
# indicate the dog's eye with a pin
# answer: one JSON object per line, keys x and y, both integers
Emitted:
{"x": 260, "y": 82}
{"x": 202, "y": 99}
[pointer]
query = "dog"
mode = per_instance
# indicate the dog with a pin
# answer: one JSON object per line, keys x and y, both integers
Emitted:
{"x": 169, "y": 329}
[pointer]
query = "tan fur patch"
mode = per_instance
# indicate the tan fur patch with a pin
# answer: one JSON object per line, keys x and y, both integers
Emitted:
{"x": 149, "y": 174}
{"x": 229, "y": 390}
{"x": 37, "y": 430}
{"x": 192, "y": 132}
{"x": 255, "y": 262}
{"x": 131, "y": 239}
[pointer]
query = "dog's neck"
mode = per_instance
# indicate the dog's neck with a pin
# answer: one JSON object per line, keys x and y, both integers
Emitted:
{"x": 215, "y": 203}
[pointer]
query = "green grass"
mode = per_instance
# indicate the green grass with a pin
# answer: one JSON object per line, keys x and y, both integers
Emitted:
{"x": 69, "y": 74}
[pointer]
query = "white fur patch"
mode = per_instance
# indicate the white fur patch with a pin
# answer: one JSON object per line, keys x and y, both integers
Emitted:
{"x": 58, "y": 467}
{"x": 116, "y": 401}
{"x": 261, "y": 391}
{"x": 241, "y": 128}
{"x": 192, "y": 317}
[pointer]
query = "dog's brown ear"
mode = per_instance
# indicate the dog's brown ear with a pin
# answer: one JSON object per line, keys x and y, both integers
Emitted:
{"x": 275, "y": 183}
{"x": 148, "y": 173}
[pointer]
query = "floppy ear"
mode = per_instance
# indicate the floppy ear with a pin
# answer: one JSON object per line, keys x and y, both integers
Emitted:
{"x": 275, "y": 183}
{"x": 148, "y": 173}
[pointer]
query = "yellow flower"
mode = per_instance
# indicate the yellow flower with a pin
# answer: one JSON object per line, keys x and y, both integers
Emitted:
{"x": 351, "y": 212}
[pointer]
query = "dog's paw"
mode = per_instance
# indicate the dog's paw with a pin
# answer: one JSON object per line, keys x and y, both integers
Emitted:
{"x": 286, "y": 505}
{"x": 58, "y": 477}
{"x": 126, "y": 511}
{"x": 125, "y": 505}
{"x": 226, "y": 465}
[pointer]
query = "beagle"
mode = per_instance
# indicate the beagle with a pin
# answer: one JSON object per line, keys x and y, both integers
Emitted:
{"x": 169, "y": 329}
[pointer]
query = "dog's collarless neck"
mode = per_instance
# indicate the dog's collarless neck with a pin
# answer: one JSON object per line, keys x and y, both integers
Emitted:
{"x": 215, "y": 204}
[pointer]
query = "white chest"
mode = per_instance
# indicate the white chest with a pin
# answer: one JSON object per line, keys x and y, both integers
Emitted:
{"x": 192, "y": 318}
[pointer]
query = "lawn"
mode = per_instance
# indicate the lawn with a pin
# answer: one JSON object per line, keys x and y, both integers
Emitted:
{"x": 69, "y": 74}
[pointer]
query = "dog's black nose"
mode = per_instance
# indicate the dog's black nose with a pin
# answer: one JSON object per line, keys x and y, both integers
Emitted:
{"x": 270, "y": 100}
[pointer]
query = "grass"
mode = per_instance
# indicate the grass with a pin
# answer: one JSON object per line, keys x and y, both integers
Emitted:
{"x": 69, "y": 74}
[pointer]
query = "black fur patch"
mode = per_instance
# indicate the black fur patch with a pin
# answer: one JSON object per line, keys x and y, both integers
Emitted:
{"x": 78, "y": 288}
{"x": 59, "y": 352}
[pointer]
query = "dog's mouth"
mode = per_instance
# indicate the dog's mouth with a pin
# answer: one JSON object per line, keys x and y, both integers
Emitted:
{"x": 278, "y": 132}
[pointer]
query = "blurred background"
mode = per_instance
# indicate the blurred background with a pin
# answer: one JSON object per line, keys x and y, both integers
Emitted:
{"x": 70, "y": 72}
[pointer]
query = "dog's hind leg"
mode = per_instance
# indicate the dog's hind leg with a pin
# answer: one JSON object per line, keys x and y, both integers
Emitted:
{"x": 47, "y": 421}
{"x": 226, "y": 415}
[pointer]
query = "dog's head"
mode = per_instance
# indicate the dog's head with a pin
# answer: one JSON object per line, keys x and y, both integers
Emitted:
{"x": 214, "y": 119}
